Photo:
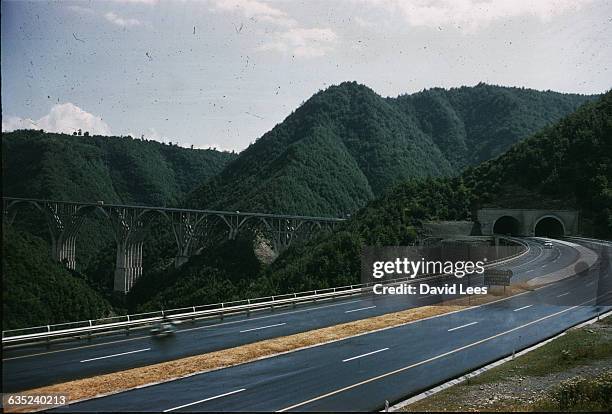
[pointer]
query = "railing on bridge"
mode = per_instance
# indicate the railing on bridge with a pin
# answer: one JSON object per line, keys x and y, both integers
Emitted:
{"x": 190, "y": 228}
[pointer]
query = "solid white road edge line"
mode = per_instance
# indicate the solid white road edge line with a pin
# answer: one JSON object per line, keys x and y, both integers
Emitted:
{"x": 426, "y": 361}
{"x": 462, "y": 326}
{"x": 360, "y": 309}
{"x": 264, "y": 327}
{"x": 116, "y": 355}
{"x": 204, "y": 400}
{"x": 472, "y": 374}
{"x": 364, "y": 355}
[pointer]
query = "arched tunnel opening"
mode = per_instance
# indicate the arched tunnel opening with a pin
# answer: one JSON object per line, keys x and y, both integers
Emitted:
{"x": 549, "y": 227}
{"x": 506, "y": 225}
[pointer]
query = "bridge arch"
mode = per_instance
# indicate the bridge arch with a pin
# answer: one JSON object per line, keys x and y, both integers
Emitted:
{"x": 507, "y": 225}
{"x": 549, "y": 226}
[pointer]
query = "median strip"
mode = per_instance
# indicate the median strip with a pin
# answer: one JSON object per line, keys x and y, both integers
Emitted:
{"x": 87, "y": 388}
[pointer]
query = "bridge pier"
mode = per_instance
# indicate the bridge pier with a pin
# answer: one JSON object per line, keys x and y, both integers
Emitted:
{"x": 64, "y": 250}
{"x": 129, "y": 226}
{"x": 128, "y": 266}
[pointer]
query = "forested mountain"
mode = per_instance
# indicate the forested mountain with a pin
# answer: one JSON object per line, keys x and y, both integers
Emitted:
{"x": 336, "y": 153}
{"x": 113, "y": 169}
{"x": 36, "y": 290}
{"x": 83, "y": 168}
{"x": 346, "y": 145}
{"x": 567, "y": 165}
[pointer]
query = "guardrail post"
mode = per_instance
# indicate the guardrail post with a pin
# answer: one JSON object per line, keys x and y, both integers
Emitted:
{"x": 89, "y": 332}
{"x": 127, "y": 328}
{"x": 294, "y": 297}
{"x": 315, "y": 292}
{"x": 248, "y": 312}
{"x": 48, "y": 340}
{"x": 193, "y": 316}
{"x": 334, "y": 296}
{"x": 222, "y": 307}
{"x": 272, "y": 305}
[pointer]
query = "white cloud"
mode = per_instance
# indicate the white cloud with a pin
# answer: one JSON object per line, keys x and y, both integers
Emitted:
{"x": 65, "y": 118}
{"x": 81, "y": 9}
{"x": 290, "y": 36}
{"x": 120, "y": 21}
{"x": 301, "y": 42}
{"x": 256, "y": 10}
{"x": 475, "y": 14}
{"x": 364, "y": 23}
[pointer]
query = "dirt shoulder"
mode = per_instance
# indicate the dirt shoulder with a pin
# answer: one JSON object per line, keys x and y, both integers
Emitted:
{"x": 571, "y": 373}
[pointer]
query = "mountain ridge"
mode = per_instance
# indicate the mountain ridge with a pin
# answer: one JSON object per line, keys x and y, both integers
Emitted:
{"x": 426, "y": 134}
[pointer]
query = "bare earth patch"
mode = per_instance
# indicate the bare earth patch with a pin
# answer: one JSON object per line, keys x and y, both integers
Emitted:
{"x": 167, "y": 371}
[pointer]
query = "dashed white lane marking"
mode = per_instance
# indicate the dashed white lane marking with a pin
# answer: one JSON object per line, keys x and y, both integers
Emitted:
{"x": 524, "y": 307}
{"x": 204, "y": 400}
{"x": 426, "y": 361}
{"x": 364, "y": 355}
{"x": 563, "y": 294}
{"x": 263, "y": 327}
{"x": 116, "y": 355}
{"x": 462, "y": 326}
{"x": 590, "y": 283}
{"x": 360, "y": 309}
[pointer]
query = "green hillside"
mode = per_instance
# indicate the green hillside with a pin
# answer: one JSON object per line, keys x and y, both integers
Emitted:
{"x": 567, "y": 165}
{"x": 346, "y": 145}
{"x": 36, "y": 290}
{"x": 114, "y": 169}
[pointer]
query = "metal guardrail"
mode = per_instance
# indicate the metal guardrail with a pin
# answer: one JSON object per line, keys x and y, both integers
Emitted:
{"x": 589, "y": 239}
{"x": 90, "y": 327}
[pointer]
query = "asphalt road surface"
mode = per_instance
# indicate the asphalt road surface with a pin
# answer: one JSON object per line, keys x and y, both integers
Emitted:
{"x": 360, "y": 373}
{"x": 26, "y": 368}
{"x": 472, "y": 338}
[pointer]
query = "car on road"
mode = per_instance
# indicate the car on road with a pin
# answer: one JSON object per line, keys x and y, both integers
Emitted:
{"x": 163, "y": 329}
{"x": 548, "y": 245}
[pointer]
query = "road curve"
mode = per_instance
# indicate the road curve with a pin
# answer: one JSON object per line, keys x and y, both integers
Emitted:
{"x": 37, "y": 366}
{"x": 360, "y": 373}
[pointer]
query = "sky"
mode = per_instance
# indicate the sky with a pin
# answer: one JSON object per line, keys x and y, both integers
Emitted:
{"x": 221, "y": 73}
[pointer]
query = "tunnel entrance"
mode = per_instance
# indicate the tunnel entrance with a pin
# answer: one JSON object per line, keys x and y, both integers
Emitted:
{"x": 549, "y": 227}
{"x": 506, "y": 225}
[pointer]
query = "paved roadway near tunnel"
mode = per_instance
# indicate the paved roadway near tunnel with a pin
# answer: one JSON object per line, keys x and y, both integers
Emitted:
{"x": 26, "y": 368}
{"x": 85, "y": 361}
{"x": 361, "y": 372}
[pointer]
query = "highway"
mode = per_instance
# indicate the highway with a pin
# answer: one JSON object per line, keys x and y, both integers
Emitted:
{"x": 367, "y": 354}
{"x": 30, "y": 367}
{"x": 361, "y": 372}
